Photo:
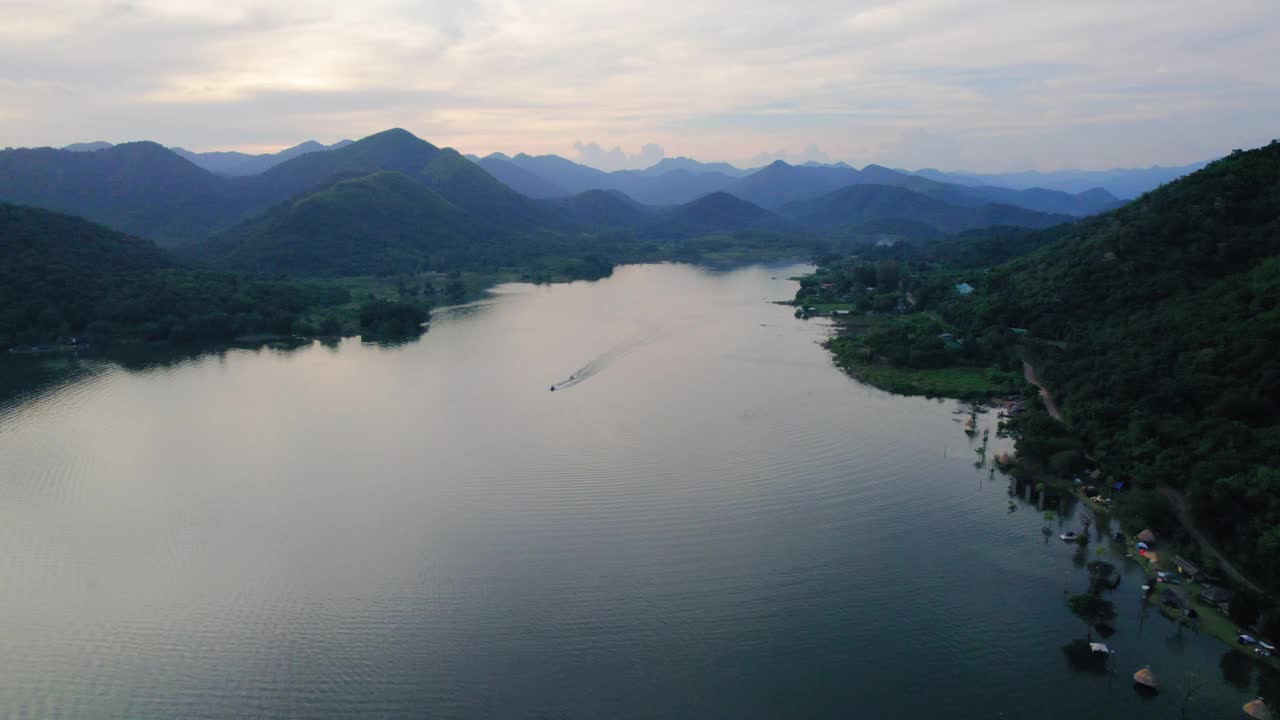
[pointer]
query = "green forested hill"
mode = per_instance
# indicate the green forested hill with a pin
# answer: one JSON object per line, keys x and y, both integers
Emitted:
{"x": 1169, "y": 309}
{"x": 717, "y": 212}
{"x": 378, "y": 224}
{"x": 63, "y": 276}
{"x": 601, "y": 210}
{"x": 459, "y": 180}
{"x": 147, "y": 190}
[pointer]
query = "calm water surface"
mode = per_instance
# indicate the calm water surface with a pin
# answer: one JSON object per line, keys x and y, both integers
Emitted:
{"x": 709, "y": 521}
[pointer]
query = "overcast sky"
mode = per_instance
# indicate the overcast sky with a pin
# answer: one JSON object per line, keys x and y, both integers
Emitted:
{"x": 954, "y": 84}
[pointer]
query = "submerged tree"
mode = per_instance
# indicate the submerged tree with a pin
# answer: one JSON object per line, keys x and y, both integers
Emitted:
{"x": 1092, "y": 609}
{"x": 1100, "y": 574}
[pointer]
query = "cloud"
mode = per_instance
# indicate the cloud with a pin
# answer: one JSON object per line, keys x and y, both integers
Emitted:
{"x": 596, "y": 156}
{"x": 1014, "y": 85}
{"x": 918, "y": 148}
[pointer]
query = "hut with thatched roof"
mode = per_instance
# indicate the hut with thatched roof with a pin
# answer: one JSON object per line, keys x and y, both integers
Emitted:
{"x": 1147, "y": 536}
{"x": 1146, "y": 678}
{"x": 1257, "y": 709}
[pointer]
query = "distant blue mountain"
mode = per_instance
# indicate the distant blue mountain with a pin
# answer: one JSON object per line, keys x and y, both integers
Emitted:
{"x": 1124, "y": 183}
{"x": 238, "y": 163}
{"x": 88, "y": 146}
{"x": 780, "y": 183}
{"x": 856, "y": 206}
{"x": 683, "y": 183}
{"x": 676, "y": 181}
{"x": 228, "y": 162}
{"x": 667, "y": 165}
{"x": 519, "y": 179}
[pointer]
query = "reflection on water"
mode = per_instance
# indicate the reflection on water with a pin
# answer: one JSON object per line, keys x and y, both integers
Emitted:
{"x": 720, "y": 525}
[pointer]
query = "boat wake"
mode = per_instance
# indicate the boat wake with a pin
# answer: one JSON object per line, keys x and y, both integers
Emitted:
{"x": 605, "y": 359}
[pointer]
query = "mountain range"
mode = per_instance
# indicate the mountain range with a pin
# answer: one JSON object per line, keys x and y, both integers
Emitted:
{"x": 856, "y": 205}
{"x": 1124, "y": 183}
{"x": 228, "y": 162}
{"x": 394, "y": 201}
{"x": 545, "y": 176}
{"x": 236, "y": 163}
{"x": 680, "y": 180}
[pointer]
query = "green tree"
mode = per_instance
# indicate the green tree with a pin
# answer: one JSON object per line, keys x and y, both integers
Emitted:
{"x": 456, "y": 290}
{"x": 888, "y": 274}
{"x": 1092, "y": 609}
{"x": 1100, "y": 574}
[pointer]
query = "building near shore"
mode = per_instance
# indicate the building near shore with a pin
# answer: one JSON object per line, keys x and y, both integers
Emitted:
{"x": 1187, "y": 568}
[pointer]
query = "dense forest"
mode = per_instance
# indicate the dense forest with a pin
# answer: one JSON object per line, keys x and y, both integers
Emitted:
{"x": 63, "y": 277}
{"x": 1156, "y": 326}
{"x": 1169, "y": 312}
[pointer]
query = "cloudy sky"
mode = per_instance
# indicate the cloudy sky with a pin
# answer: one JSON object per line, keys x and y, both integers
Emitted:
{"x": 974, "y": 84}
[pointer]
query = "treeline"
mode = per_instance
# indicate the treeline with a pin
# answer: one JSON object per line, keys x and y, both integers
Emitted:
{"x": 63, "y": 277}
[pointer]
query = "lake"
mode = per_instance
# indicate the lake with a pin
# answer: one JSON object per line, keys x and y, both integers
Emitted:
{"x": 707, "y": 521}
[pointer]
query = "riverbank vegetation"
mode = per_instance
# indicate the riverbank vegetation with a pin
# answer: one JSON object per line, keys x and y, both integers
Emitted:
{"x": 896, "y": 329}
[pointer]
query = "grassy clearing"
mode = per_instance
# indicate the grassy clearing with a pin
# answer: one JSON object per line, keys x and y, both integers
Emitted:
{"x": 1212, "y": 622}
{"x": 965, "y": 382}
{"x": 954, "y": 382}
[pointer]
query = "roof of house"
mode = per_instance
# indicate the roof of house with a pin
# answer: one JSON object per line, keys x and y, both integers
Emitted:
{"x": 1214, "y": 594}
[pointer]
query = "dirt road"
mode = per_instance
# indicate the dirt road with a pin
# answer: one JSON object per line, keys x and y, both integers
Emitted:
{"x": 1184, "y": 516}
{"x": 1029, "y": 373}
{"x": 1175, "y": 498}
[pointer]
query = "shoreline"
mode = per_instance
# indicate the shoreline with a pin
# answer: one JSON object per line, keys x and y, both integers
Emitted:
{"x": 1213, "y": 621}
{"x": 965, "y": 384}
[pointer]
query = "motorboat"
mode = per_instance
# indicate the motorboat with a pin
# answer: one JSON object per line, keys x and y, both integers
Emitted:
{"x": 1068, "y": 536}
